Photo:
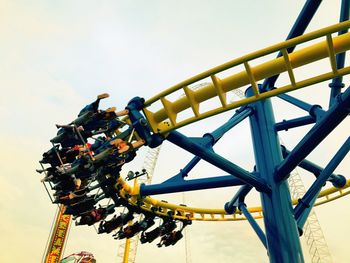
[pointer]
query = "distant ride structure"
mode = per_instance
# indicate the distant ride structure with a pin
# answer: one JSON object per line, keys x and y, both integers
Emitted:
{"x": 81, "y": 257}
{"x": 150, "y": 122}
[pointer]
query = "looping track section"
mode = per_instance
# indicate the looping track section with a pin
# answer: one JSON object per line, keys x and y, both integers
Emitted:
{"x": 164, "y": 118}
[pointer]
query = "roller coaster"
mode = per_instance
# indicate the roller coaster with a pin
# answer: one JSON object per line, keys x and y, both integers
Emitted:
{"x": 83, "y": 166}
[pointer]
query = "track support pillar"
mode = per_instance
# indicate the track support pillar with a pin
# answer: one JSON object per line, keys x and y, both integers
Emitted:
{"x": 283, "y": 244}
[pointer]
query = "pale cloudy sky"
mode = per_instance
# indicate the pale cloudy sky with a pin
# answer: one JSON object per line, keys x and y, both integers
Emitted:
{"x": 57, "y": 55}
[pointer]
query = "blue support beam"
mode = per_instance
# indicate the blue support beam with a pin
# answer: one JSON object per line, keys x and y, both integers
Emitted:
{"x": 231, "y": 206}
{"x": 294, "y": 123}
{"x": 242, "y": 206}
{"x": 211, "y": 138}
{"x": 185, "y": 171}
{"x": 337, "y": 180}
{"x": 178, "y": 184}
{"x": 315, "y": 111}
{"x": 332, "y": 118}
{"x": 217, "y": 160}
{"x": 303, "y": 209}
{"x": 336, "y": 85}
{"x": 280, "y": 226}
{"x": 239, "y": 116}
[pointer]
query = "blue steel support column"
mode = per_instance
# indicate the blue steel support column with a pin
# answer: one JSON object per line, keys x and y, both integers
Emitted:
{"x": 281, "y": 229}
{"x": 337, "y": 84}
{"x": 253, "y": 223}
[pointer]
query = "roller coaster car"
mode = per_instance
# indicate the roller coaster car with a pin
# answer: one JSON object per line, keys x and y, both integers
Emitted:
{"x": 150, "y": 235}
{"x": 53, "y": 156}
{"x": 147, "y": 223}
{"x": 86, "y": 219}
{"x": 66, "y": 154}
{"x": 108, "y": 172}
{"x": 173, "y": 237}
{"x": 112, "y": 157}
{"x": 115, "y": 222}
{"x": 82, "y": 119}
{"x": 67, "y": 185}
{"x": 106, "y": 179}
{"x": 110, "y": 192}
{"x": 73, "y": 197}
{"x": 51, "y": 175}
{"x": 108, "y": 127}
{"x": 96, "y": 121}
{"x": 106, "y": 121}
{"x": 95, "y": 215}
{"x": 81, "y": 207}
{"x": 170, "y": 239}
{"x": 167, "y": 226}
{"x": 132, "y": 230}
{"x": 108, "y": 226}
{"x": 68, "y": 137}
{"x": 121, "y": 202}
{"x": 186, "y": 223}
{"x": 81, "y": 167}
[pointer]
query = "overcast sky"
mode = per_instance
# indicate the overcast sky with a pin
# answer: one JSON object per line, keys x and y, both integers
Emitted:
{"x": 56, "y": 56}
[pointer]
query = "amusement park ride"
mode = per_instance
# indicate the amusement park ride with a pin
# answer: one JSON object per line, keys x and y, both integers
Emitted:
{"x": 82, "y": 174}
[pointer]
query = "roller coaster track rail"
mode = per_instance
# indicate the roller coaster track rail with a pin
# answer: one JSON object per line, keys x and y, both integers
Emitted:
{"x": 165, "y": 118}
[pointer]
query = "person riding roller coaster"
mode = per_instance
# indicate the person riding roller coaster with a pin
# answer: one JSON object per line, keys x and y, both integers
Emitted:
{"x": 168, "y": 225}
{"x": 81, "y": 207}
{"x": 132, "y": 230}
{"x": 173, "y": 237}
{"x": 105, "y": 121}
{"x": 75, "y": 155}
{"x": 95, "y": 215}
{"x": 75, "y": 164}
{"x": 109, "y": 161}
{"x": 170, "y": 238}
{"x": 115, "y": 222}
{"x": 83, "y": 169}
{"x": 69, "y": 136}
{"x": 93, "y": 107}
{"x": 55, "y": 155}
{"x": 119, "y": 152}
{"x": 93, "y": 119}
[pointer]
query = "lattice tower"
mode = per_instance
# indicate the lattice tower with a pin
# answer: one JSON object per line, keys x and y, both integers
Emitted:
{"x": 318, "y": 249}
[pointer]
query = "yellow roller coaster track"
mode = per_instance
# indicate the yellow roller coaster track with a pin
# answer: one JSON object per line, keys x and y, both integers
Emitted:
{"x": 164, "y": 119}
{"x": 162, "y": 208}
